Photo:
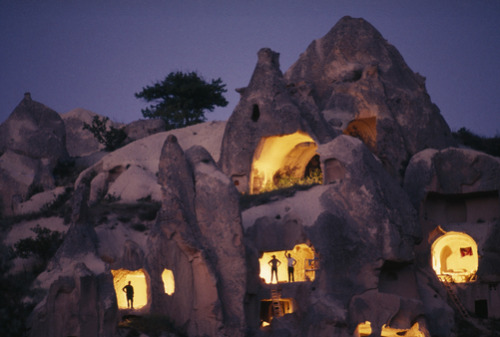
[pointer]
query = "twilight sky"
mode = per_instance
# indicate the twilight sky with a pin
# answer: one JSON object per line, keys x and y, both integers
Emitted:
{"x": 96, "y": 54}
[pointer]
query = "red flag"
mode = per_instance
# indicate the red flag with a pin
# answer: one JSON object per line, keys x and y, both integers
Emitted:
{"x": 466, "y": 251}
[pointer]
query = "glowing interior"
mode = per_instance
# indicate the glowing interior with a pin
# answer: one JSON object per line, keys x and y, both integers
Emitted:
{"x": 168, "y": 281}
{"x": 364, "y": 129}
{"x": 365, "y": 329}
{"x": 280, "y": 155}
{"x": 137, "y": 279}
{"x": 266, "y": 307}
{"x": 304, "y": 269}
{"x": 455, "y": 255}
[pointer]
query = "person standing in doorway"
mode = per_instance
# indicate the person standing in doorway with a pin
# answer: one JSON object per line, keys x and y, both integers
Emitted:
{"x": 291, "y": 264}
{"x": 129, "y": 290}
{"x": 274, "y": 263}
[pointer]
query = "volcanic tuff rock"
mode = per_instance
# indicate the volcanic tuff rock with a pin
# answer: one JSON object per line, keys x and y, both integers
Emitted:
{"x": 363, "y": 87}
{"x": 80, "y": 142}
{"x": 265, "y": 109}
{"x": 368, "y": 239}
{"x": 364, "y": 226}
{"x": 32, "y": 141}
{"x": 198, "y": 234}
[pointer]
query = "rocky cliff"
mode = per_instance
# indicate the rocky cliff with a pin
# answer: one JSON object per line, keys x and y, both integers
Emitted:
{"x": 341, "y": 168}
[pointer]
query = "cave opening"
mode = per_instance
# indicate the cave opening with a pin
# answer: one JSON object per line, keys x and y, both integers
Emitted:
{"x": 306, "y": 265}
{"x": 139, "y": 282}
{"x": 271, "y": 308}
{"x": 283, "y": 161}
{"x": 454, "y": 257}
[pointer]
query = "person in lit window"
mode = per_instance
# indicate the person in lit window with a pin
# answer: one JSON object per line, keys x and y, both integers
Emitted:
{"x": 129, "y": 290}
{"x": 291, "y": 265}
{"x": 274, "y": 263}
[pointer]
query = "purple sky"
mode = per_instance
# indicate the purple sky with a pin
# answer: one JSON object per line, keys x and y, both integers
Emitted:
{"x": 96, "y": 54}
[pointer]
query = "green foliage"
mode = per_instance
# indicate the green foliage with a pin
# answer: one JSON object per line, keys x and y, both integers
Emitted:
{"x": 112, "y": 139}
{"x": 287, "y": 180}
{"x": 182, "y": 98}
{"x": 43, "y": 246}
{"x": 490, "y": 146}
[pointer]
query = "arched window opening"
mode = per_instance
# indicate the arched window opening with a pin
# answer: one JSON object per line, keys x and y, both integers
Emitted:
{"x": 255, "y": 113}
{"x": 271, "y": 308}
{"x": 283, "y": 161}
{"x": 454, "y": 257}
{"x": 304, "y": 268}
{"x": 364, "y": 129}
{"x": 136, "y": 298}
{"x": 168, "y": 281}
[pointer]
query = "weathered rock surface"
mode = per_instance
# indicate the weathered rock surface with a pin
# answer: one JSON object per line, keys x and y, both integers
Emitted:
{"x": 368, "y": 239}
{"x": 200, "y": 240}
{"x": 32, "y": 142}
{"x": 143, "y": 128}
{"x": 362, "y": 86}
{"x": 265, "y": 109}
{"x": 80, "y": 142}
{"x": 130, "y": 173}
{"x": 362, "y": 224}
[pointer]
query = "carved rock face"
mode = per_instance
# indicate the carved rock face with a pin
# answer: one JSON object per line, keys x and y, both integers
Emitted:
{"x": 363, "y": 87}
{"x": 32, "y": 141}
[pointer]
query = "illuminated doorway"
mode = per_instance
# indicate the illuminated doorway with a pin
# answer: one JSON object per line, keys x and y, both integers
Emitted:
{"x": 454, "y": 257}
{"x": 282, "y": 161}
{"x": 304, "y": 270}
{"x": 137, "y": 279}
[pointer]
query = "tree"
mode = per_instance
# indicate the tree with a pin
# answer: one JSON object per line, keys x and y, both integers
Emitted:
{"x": 112, "y": 139}
{"x": 182, "y": 98}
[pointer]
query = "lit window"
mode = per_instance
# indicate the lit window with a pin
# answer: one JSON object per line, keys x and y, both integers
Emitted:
{"x": 454, "y": 257}
{"x": 168, "y": 281}
{"x": 306, "y": 264}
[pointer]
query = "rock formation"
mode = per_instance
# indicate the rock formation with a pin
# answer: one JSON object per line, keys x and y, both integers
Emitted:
{"x": 32, "y": 142}
{"x": 363, "y": 87}
{"x": 386, "y": 243}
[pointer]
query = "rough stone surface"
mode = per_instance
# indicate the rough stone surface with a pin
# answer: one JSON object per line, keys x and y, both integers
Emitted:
{"x": 451, "y": 171}
{"x": 143, "y": 128}
{"x": 80, "y": 142}
{"x": 265, "y": 109}
{"x": 355, "y": 76}
{"x": 371, "y": 238}
{"x": 355, "y": 235}
{"x": 35, "y": 131}
{"x": 32, "y": 142}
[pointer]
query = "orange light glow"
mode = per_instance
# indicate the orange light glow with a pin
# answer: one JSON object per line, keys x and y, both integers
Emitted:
{"x": 365, "y": 329}
{"x": 137, "y": 279}
{"x": 168, "y": 281}
{"x": 280, "y": 155}
{"x": 304, "y": 270}
{"x": 364, "y": 129}
{"x": 286, "y": 304}
{"x": 455, "y": 255}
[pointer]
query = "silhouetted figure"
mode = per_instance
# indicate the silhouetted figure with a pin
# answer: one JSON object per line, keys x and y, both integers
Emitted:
{"x": 274, "y": 263}
{"x": 129, "y": 290}
{"x": 291, "y": 264}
